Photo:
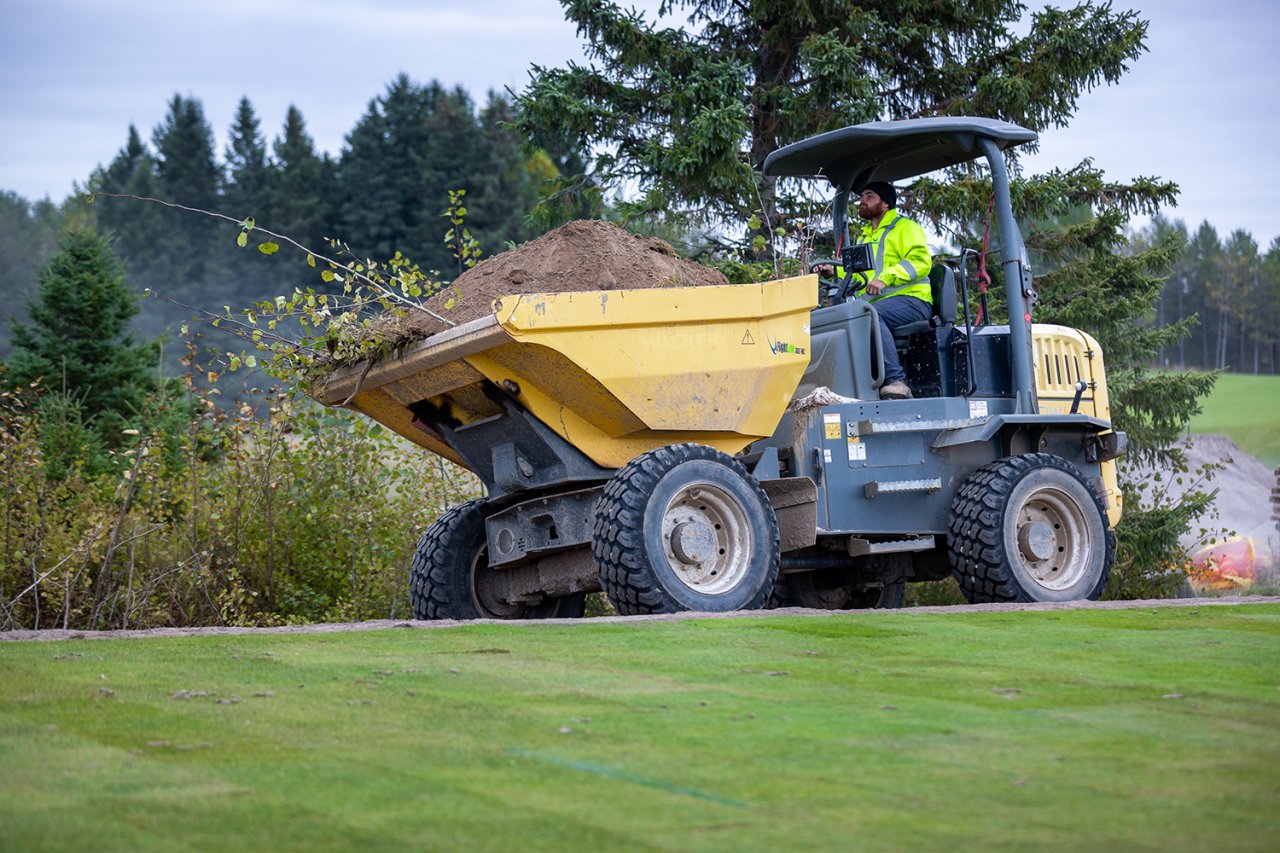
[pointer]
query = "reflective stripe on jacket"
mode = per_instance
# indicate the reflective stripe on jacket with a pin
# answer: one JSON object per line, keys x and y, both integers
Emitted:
{"x": 902, "y": 258}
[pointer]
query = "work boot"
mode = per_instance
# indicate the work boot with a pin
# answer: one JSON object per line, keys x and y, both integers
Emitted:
{"x": 895, "y": 391}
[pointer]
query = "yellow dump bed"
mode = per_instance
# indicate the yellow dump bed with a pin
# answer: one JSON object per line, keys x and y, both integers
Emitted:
{"x": 615, "y": 373}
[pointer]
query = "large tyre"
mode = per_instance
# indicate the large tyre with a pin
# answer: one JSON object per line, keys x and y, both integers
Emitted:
{"x": 451, "y": 578}
{"x": 831, "y": 590}
{"x": 1029, "y": 528}
{"x": 685, "y": 527}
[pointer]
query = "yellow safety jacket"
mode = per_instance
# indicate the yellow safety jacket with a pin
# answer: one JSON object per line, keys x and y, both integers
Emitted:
{"x": 902, "y": 258}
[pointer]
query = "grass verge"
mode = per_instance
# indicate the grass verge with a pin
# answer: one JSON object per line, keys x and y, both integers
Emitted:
{"x": 1113, "y": 729}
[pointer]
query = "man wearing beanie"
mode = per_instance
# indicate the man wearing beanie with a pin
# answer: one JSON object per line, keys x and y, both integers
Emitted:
{"x": 899, "y": 284}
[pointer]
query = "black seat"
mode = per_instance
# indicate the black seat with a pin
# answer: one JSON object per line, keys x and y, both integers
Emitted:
{"x": 942, "y": 282}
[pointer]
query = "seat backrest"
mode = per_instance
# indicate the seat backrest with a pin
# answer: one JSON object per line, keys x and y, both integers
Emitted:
{"x": 942, "y": 281}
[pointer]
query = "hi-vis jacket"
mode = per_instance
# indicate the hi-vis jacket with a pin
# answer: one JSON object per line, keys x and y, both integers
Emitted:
{"x": 901, "y": 256}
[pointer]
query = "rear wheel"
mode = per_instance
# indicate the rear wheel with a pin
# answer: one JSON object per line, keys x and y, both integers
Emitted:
{"x": 685, "y": 527}
{"x": 1029, "y": 528}
{"x": 451, "y": 577}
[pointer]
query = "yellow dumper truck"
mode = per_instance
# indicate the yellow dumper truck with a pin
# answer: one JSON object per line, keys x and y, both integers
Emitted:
{"x": 721, "y": 448}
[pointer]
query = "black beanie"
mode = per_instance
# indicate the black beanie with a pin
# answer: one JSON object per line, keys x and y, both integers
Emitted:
{"x": 885, "y": 190}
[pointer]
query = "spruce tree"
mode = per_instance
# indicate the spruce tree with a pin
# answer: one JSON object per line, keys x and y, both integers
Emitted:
{"x": 300, "y": 185}
{"x": 245, "y": 175}
{"x": 135, "y": 229}
{"x": 78, "y": 340}
{"x": 689, "y": 114}
{"x": 383, "y": 176}
{"x": 188, "y": 174}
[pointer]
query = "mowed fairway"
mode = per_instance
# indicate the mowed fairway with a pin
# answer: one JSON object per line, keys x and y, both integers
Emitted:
{"x": 1246, "y": 409}
{"x": 1092, "y": 729}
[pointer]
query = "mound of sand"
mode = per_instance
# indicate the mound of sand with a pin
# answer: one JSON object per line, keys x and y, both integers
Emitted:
{"x": 1242, "y": 506}
{"x": 582, "y": 255}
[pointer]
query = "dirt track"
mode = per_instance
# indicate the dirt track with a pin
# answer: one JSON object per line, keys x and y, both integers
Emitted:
{"x": 381, "y": 624}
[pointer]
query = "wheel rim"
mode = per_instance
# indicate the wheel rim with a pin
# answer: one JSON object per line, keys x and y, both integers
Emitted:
{"x": 1051, "y": 539}
{"x": 706, "y": 538}
{"x": 488, "y": 588}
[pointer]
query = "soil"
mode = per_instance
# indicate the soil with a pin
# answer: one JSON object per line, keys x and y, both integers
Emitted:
{"x": 582, "y": 255}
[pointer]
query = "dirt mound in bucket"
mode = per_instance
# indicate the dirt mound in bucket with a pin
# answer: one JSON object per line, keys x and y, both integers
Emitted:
{"x": 582, "y": 255}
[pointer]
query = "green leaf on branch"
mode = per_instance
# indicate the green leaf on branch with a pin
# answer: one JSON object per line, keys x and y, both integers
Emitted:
{"x": 269, "y": 248}
{"x": 242, "y": 239}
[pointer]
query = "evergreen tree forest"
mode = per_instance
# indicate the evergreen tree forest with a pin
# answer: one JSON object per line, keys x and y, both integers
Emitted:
{"x": 384, "y": 192}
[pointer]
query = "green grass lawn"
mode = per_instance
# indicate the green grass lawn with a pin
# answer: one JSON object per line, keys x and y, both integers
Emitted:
{"x": 1246, "y": 409}
{"x": 1097, "y": 730}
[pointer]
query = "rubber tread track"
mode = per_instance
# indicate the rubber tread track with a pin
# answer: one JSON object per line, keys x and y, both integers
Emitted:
{"x": 618, "y": 532}
{"x": 975, "y": 537}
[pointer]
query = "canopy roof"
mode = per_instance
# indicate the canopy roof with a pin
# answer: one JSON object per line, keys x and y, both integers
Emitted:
{"x": 891, "y": 150}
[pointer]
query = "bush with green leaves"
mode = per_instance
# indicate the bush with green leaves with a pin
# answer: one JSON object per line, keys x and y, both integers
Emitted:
{"x": 305, "y": 514}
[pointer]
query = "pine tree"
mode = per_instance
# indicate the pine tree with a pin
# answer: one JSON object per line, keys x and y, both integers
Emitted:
{"x": 245, "y": 174}
{"x": 78, "y": 340}
{"x": 383, "y": 177}
{"x": 300, "y": 197}
{"x": 1234, "y": 293}
{"x": 412, "y": 147}
{"x": 188, "y": 174}
{"x": 134, "y": 228}
{"x": 689, "y": 114}
{"x": 1203, "y": 253}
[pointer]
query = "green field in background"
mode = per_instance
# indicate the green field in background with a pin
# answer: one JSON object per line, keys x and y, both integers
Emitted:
{"x": 1097, "y": 729}
{"x": 1246, "y": 409}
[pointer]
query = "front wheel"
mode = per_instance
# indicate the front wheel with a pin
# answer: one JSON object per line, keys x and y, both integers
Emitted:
{"x": 685, "y": 527}
{"x": 1029, "y": 528}
{"x": 451, "y": 577}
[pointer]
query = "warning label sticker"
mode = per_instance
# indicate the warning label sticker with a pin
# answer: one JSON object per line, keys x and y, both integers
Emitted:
{"x": 831, "y": 426}
{"x": 977, "y": 408}
{"x": 747, "y": 340}
{"x": 857, "y": 450}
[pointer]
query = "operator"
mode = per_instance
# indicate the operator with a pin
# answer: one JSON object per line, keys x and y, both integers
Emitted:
{"x": 899, "y": 284}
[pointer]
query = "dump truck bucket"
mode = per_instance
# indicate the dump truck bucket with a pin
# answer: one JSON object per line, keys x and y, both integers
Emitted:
{"x": 615, "y": 373}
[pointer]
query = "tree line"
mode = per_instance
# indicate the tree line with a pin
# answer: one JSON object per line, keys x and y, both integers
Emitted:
{"x": 384, "y": 192}
{"x": 1232, "y": 289}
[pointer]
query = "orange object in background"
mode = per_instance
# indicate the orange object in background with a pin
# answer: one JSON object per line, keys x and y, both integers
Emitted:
{"x": 1229, "y": 564}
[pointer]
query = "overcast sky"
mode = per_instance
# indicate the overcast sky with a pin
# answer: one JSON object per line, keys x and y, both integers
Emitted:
{"x": 1201, "y": 108}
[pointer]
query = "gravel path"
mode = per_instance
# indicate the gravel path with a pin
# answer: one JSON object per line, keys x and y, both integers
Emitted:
{"x": 381, "y": 624}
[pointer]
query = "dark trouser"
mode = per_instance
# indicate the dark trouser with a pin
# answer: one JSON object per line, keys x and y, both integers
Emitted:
{"x": 894, "y": 312}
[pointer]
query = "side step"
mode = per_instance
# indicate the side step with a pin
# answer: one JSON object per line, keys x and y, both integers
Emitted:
{"x": 863, "y": 547}
{"x": 903, "y": 487}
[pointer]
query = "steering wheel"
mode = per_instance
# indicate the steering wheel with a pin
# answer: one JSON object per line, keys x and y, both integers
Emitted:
{"x": 836, "y": 290}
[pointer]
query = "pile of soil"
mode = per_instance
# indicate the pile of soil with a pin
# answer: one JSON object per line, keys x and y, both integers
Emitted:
{"x": 582, "y": 255}
{"x": 1242, "y": 506}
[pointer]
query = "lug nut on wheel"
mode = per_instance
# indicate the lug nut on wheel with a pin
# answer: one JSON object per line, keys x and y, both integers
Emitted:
{"x": 693, "y": 542}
